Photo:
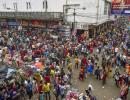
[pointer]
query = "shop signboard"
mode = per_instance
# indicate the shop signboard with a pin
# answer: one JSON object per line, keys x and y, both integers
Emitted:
{"x": 37, "y": 23}
{"x": 12, "y": 22}
{"x": 53, "y": 24}
{"x": 66, "y": 30}
{"x": 3, "y": 22}
{"x": 120, "y": 7}
{"x": 24, "y": 22}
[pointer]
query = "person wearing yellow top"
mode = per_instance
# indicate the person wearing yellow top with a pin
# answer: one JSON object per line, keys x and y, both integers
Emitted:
{"x": 47, "y": 88}
{"x": 76, "y": 62}
{"x": 70, "y": 66}
{"x": 4, "y": 52}
{"x": 52, "y": 73}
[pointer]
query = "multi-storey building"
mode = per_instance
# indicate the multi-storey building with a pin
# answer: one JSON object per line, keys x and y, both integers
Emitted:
{"x": 95, "y": 13}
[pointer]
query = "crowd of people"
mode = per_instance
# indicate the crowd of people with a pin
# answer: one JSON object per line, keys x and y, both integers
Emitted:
{"x": 45, "y": 64}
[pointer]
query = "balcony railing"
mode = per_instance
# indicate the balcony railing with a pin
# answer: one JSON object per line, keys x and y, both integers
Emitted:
{"x": 32, "y": 15}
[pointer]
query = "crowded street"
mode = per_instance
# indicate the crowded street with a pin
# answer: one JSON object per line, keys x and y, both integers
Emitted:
{"x": 62, "y": 69}
{"x": 47, "y": 56}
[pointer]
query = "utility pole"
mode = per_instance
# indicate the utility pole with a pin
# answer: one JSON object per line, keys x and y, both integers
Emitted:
{"x": 74, "y": 14}
{"x": 109, "y": 9}
{"x": 46, "y": 7}
{"x": 65, "y": 11}
{"x": 16, "y": 11}
{"x": 74, "y": 18}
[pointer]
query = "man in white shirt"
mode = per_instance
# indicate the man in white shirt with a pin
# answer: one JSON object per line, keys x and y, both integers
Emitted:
{"x": 116, "y": 50}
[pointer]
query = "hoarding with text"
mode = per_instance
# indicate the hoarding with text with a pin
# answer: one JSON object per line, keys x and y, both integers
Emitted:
{"x": 120, "y": 7}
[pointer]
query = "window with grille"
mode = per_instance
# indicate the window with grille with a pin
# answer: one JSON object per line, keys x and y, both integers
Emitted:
{"x": 4, "y": 5}
{"x": 45, "y": 4}
{"x": 28, "y": 5}
{"x": 15, "y": 5}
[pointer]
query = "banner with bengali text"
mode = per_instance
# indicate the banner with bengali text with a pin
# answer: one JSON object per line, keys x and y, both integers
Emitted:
{"x": 120, "y": 7}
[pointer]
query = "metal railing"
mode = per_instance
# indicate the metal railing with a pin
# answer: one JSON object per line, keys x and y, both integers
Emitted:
{"x": 32, "y": 15}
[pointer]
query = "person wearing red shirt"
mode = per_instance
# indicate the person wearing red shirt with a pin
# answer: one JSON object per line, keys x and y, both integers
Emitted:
{"x": 22, "y": 53}
{"x": 84, "y": 61}
{"x": 52, "y": 66}
{"x": 91, "y": 50}
{"x": 47, "y": 78}
{"x": 40, "y": 87}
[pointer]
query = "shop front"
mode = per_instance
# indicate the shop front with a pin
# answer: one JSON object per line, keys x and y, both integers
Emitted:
{"x": 37, "y": 23}
{"x": 92, "y": 31}
{"x": 52, "y": 24}
{"x": 13, "y": 23}
{"x": 25, "y": 23}
{"x": 3, "y": 23}
{"x": 95, "y": 30}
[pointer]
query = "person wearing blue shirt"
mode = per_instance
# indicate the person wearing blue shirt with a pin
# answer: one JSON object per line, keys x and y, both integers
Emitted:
{"x": 29, "y": 89}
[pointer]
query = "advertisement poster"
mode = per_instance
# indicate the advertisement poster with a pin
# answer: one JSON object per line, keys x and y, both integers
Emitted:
{"x": 120, "y": 7}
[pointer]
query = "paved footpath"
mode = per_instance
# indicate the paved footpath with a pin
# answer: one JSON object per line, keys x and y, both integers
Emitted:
{"x": 109, "y": 92}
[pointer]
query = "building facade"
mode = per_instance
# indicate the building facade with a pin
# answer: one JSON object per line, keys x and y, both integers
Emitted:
{"x": 96, "y": 12}
{"x": 40, "y": 13}
{"x": 32, "y": 5}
